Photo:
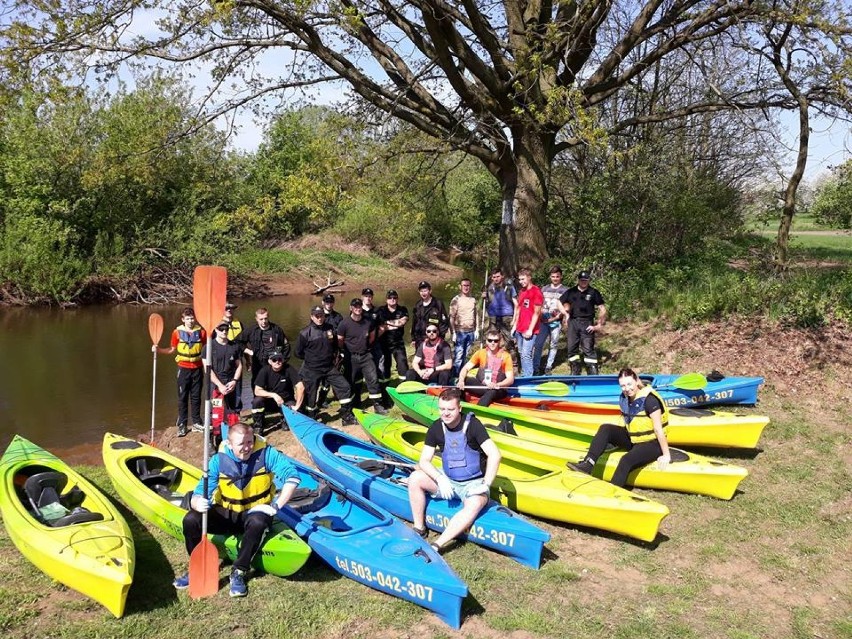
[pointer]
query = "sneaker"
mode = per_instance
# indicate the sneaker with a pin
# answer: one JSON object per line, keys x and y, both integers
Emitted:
{"x": 438, "y": 549}
{"x": 584, "y": 466}
{"x": 198, "y": 428}
{"x": 379, "y": 409}
{"x": 238, "y": 583}
{"x": 349, "y": 420}
{"x": 423, "y": 532}
{"x": 182, "y": 582}
{"x": 182, "y": 430}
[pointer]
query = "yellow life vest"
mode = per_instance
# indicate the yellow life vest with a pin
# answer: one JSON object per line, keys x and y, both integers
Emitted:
{"x": 639, "y": 425}
{"x": 243, "y": 485}
{"x": 235, "y": 329}
{"x": 189, "y": 345}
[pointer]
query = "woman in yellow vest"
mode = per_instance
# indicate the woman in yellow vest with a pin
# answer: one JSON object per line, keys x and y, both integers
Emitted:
{"x": 643, "y": 434}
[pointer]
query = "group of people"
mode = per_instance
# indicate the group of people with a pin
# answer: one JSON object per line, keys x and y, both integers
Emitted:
{"x": 339, "y": 352}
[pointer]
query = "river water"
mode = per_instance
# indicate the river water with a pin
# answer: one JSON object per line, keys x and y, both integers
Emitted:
{"x": 68, "y": 376}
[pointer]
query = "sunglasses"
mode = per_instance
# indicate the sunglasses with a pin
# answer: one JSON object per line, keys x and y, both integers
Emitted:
{"x": 431, "y": 332}
{"x": 492, "y": 341}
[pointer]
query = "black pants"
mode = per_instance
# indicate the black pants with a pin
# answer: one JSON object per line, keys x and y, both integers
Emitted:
{"x": 189, "y": 383}
{"x": 485, "y": 395}
{"x": 221, "y": 521}
{"x": 394, "y": 354}
{"x": 581, "y": 340}
{"x": 637, "y": 455}
{"x": 362, "y": 364}
{"x": 314, "y": 379}
{"x": 441, "y": 378}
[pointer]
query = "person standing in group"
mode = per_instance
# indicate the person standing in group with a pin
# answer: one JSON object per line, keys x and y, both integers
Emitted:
{"x": 433, "y": 360}
{"x": 552, "y": 317}
{"x": 331, "y": 316}
{"x": 248, "y": 483}
{"x": 235, "y": 326}
{"x": 392, "y": 318}
{"x": 262, "y": 340}
{"x": 494, "y": 370}
{"x": 525, "y": 324}
{"x": 319, "y": 351}
{"x": 277, "y": 384}
{"x": 429, "y": 311}
{"x": 226, "y": 370}
{"x": 501, "y": 298}
{"x": 188, "y": 342}
{"x": 356, "y": 335}
{"x": 470, "y": 460}
{"x": 581, "y": 303}
{"x": 464, "y": 324}
{"x": 371, "y": 313}
{"x": 643, "y": 435}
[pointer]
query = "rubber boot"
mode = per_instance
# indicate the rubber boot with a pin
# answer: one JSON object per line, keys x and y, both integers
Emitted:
{"x": 592, "y": 369}
{"x": 576, "y": 368}
{"x": 346, "y": 416}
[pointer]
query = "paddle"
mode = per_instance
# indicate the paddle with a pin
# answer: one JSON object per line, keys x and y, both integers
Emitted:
{"x": 690, "y": 381}
{"x": 387, "y": 462}
{"x": 557, "y": 389}
{"x": 155, "y": 330}
{"x": 482, "y": 315}
{"x": 209, "y": 292}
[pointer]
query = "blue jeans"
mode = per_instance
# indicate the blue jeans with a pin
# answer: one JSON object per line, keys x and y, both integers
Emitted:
{"x": 525, "y": 353}
{"x": 543, "y": 333}
{"x": 464, "y": 342}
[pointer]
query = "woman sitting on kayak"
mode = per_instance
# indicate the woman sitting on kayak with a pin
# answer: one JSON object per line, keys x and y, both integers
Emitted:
{"x": 643, "y": 434}
{"x": 495, "y": 370}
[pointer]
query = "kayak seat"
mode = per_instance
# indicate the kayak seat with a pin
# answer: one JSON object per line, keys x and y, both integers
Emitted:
{"x": 505, "y": 426}
{"x": 376, "y": 467}
{"x": 308, "y": 500}
{"x": 77, "y": 516}
{"x": 44, "y": 488}
{"x": 44, "y": 491}
{"x": 152, "y": 475}
{"x": 691, "y": 412}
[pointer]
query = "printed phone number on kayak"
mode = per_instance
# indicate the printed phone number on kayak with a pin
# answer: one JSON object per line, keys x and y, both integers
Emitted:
{"x": 391, "y": 582}
{"x": 699, "y": 399}
{"x": 496, "y": 537}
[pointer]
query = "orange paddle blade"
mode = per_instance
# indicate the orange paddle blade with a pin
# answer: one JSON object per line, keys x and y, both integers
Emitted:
{"x": 209, "y": 295}
{"x": 204, "y": 570}
{"x": 155, "y": 327}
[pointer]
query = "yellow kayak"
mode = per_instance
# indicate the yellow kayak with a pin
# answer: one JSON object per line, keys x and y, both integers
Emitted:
{"x": 65, "y": 526}
{"x": 535, "y": 489}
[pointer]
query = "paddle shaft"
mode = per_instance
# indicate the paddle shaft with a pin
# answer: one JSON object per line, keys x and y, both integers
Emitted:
{"x": 482, "y": 318}
{"x": 154, "y": 397}
{"x": 376, "y": 459}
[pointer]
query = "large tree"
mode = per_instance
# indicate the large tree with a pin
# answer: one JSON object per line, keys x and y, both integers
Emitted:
{"x": 512, "y": 83}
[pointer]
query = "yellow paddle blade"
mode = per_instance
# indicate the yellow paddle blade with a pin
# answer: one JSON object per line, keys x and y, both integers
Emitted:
{"x": 411, "y": 387}
{"x": 690, "y": 381}
{"x": 558, "y": 389}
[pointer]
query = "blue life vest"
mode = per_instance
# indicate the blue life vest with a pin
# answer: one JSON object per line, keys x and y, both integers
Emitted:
{"x": 461, "y": 462}
{"x": 500, "y": 300}
{"x": 636, "y": 420}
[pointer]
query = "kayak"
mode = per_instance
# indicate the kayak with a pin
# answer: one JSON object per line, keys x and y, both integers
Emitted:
{"x": 535, "y": 489}
{"x": 604, "y": 389}
{"x": 687, "y": 426}
{"x": 65, "y": 526}
{"x": 363, "y": 542}
{"x": 155, "y": 485}
{"x": 381, "y": 476}
{"x": 687, "y": 473}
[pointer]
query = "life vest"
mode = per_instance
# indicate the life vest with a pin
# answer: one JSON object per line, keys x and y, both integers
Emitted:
{"x": 461, "y": 462}
{"x": 493, "y": 370}
{"x": 639, "y": 425}
{"x": 235, "y": 329}
{"x": 245, "y": 484}
{"x": 189, "y": 345}
{"x": 429, "y": 353}
{"x": 500, "y": 304}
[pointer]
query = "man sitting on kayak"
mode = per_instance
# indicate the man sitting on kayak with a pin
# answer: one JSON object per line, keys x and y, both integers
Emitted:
{"x": 244, "y": 476}
{"x": 470, "y": 461}
{"x": 494, "y": 370}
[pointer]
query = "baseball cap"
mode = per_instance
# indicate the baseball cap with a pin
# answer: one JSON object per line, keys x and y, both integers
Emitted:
{"x": 224, "y": 325}
{"x": 392, "y": 293}
{"x": 356, "y": 301}
{"x": 366, "y": 291}
{"x": 328, "y": 297}
{"x": 424, "y": 284}
{"x": 584, "y": 275}
{"x": 230, "y": 306}
{"x": 276, "y": 357}
{"x": 317, "y": 310}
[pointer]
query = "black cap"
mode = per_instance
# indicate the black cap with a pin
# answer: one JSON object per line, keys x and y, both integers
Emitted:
{"x": 230, "y": 306}
{"x": 276, "y": 357}
{"x": 392, "y": 293}
{"x": 328, "y": 297}
{"x": 366, "y": 291}
{"x": 225, "y": 325}
{"x": 424, "y": 284}
{"x": 356, "y": 301}
{"x": 584, "y": 275}
{"x": 317, "y": 310}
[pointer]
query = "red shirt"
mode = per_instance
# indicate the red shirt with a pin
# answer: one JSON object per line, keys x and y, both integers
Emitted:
{"x": 528, "y": 299}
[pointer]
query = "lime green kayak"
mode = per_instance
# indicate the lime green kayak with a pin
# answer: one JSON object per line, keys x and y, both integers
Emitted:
{"x": 65, "y": 526}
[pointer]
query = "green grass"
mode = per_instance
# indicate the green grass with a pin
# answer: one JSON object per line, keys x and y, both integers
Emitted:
{"x": 835, "y": 248}
{"x": 269, "y": 261}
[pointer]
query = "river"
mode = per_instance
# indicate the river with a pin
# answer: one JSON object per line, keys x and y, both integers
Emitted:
{"x": 67, "y": 376}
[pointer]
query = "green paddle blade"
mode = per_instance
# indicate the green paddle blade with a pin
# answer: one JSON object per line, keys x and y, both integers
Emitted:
{"x": 411, "y": 387}
{"x": 557, "y": 389}
{"x": 690, "y": 381}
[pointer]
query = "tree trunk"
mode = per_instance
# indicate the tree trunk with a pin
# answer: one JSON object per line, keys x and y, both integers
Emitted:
{"x": 525, "y": 197}
{"x": 783, "y": 241}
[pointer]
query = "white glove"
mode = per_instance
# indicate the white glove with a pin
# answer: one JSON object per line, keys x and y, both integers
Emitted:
{"x": 200, "y": 504}
{"x": 445, "y": 488}
{"x": 663, "y": 461}
{"x": 266, "y": 509}
{"x": 480, "y": 488}
{"x": 476, "y": 334}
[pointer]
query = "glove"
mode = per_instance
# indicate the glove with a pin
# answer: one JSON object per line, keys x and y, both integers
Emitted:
{"x": 475, "y": 334}
{"x": 200, "y": 504}
{"x": 663, "y": 461}
{"x": 266, "y": 509}
{"x": 445, "y": 488}
{"x": 480, "y": 488}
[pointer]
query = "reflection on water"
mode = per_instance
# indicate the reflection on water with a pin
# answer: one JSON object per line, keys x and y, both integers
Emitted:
{"x": 68, "y": 376}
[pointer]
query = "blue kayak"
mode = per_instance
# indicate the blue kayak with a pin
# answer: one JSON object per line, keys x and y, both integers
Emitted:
{"x": 364, "y": 542}
{"x": 380, "y": 475}
{"x": 604, "y": 389}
